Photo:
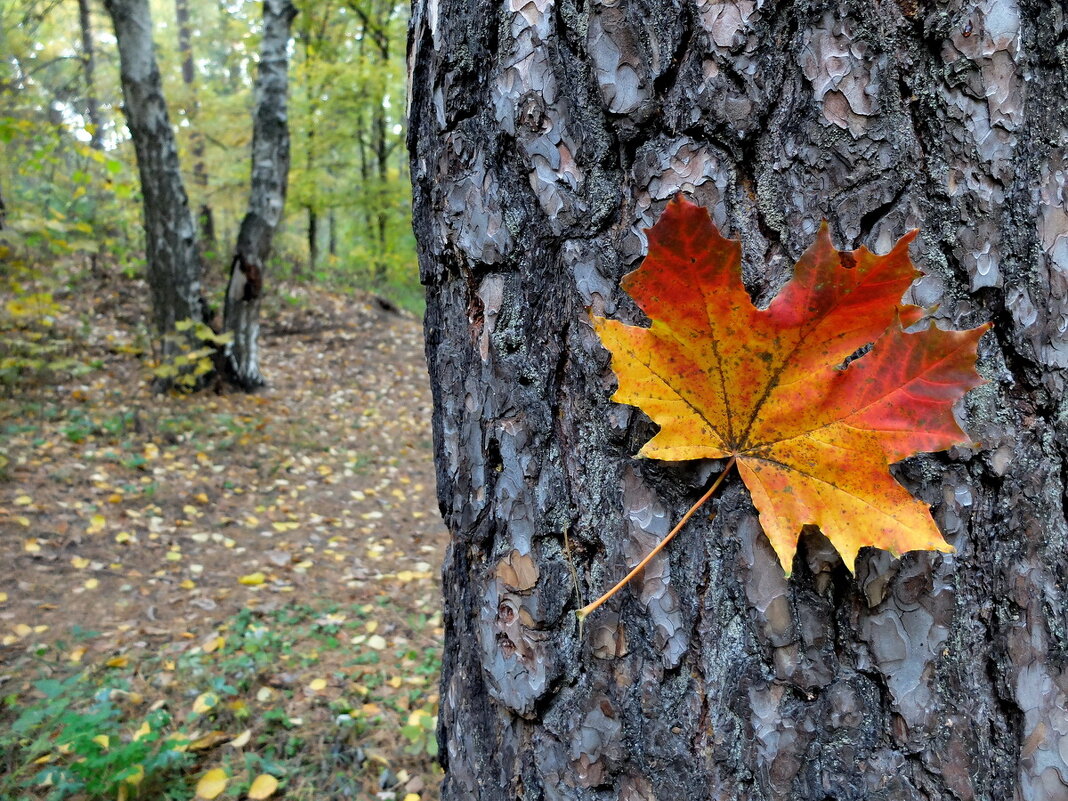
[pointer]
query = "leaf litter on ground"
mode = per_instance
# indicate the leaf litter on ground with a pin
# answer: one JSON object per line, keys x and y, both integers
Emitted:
{"x": 161, "y": 546}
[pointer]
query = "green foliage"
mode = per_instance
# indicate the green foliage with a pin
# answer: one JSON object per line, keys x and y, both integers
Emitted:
{"x": 188, "y": 354}
{"x": 94, "y": 733}
{"x": 32, "y": 344}
{"x": 421, "y": 732}
{"x": 75, "y": 740}
{"x": 74, "y": 210}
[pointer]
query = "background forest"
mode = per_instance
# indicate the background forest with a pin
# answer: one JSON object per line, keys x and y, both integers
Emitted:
{"x": 213, "y": 594}
{"x": 68, "y": 176}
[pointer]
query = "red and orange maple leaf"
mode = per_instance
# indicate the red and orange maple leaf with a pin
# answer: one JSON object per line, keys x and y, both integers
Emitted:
{"x": 812, "y": 436}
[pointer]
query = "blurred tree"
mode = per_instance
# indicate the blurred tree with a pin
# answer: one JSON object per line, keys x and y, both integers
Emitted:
{"x": 349, "y": 127}
{"x": 267, "y": 194}
{"x": 174, "y": 266}
{"x": 67, "y": 169}
{"x": 205, "y": 219}
{"x": 92, "y": 111}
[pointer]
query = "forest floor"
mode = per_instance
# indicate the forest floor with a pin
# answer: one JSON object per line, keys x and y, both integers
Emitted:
{"x": 244, "y": 583}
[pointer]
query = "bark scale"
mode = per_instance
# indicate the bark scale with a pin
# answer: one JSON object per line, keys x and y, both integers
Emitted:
{"x": 174, "y": 267}
{"x": 544, "y": 136}
{"x": 267, "y": 195}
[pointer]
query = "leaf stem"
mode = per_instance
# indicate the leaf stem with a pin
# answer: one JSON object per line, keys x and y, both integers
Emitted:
{"x": 585, "y": 611}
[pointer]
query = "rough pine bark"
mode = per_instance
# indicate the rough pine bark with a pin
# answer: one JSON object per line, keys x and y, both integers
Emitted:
{"x": 267, "y": 197}
{"x": 174, "y": 267}
{"x": 545, "y": 135}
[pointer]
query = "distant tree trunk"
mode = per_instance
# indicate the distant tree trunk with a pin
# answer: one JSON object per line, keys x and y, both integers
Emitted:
{"x": 92, "y": 109}
{"x": 313, "y": 240}
{"x": 270, "y": 172}
{"x": 381, "y": 215}
{"x": 367, "y": 207}
{"x": 375, "y": 29}
{"x": 205, "y": 218}
{"x": 332, "y": 232}
{"x": 544, "y": 136}
{"x": 174, "y": 268}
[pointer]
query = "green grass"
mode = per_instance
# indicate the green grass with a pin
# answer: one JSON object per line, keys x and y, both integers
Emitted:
{"x": 135, "y": 727}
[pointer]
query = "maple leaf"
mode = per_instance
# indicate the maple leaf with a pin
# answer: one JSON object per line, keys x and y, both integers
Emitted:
{"x": 812, "y": 430}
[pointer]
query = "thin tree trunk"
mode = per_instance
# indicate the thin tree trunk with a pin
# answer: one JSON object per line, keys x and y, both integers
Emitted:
{"x": 174, "y": 268}
{"x": 332, "y": 232}
{"x": 537, "y": 157}
{"x": 205, "y": 219}
{"x": 313, "y": 240}
{"x": 382, "y": 164}
{"x": 92, "y": 109}
{"x": 361, "y": 135}
{"x": 376, "y": 30}
{"x": 270, "y": 173}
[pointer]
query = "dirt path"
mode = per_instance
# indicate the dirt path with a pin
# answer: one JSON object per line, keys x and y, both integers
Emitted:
{"x": 132, "y": 523}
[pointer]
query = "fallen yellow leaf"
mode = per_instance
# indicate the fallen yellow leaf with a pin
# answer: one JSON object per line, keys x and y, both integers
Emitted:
{"x": 263, "y": 786}
{"x": 317, "y": 685}
{"x": 212, "y": 784}
{"x": 96, "y": 524}
{"x": 118, "y": 662}
{"x": 79, "y": 562}
{"x": 204, "y": 702}
{"x": 242, "y": 739}
{"x": 252, "y": 579}
{"x": 209, "y": 740}
{"x": 138, "y": 776}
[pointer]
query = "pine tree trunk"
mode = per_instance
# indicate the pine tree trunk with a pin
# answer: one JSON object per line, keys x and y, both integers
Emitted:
{"x": 174, "y": 268}
{"x": 544, "y": 136}
{"x": 267, "y": 196}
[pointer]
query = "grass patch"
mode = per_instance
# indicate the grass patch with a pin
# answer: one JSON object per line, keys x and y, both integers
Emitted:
{"x": 306, "y": 694}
